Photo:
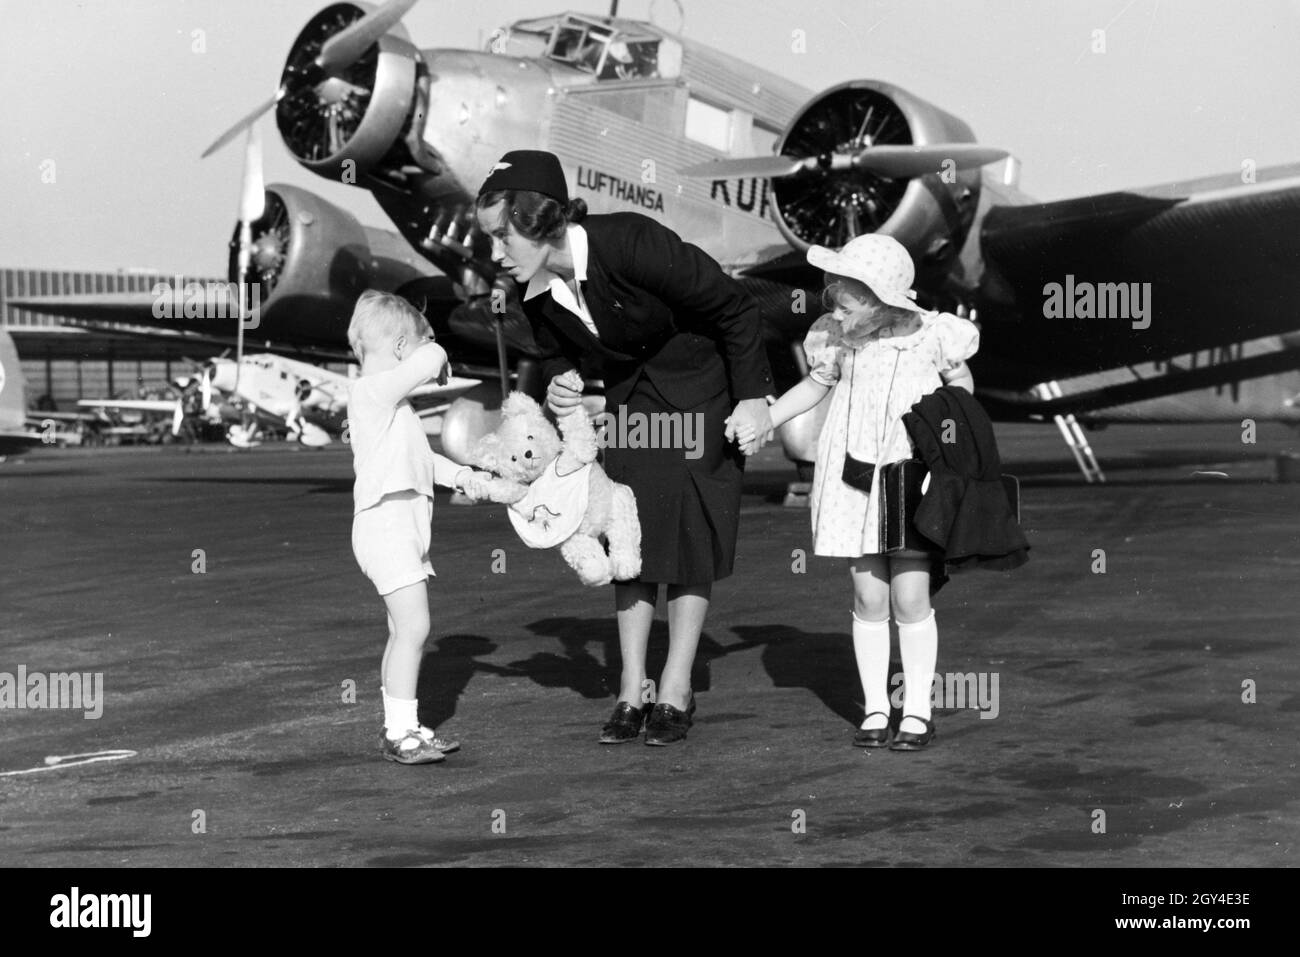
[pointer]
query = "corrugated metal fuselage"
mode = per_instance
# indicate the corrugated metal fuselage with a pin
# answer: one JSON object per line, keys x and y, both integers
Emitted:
{"x": 621, "y": 142}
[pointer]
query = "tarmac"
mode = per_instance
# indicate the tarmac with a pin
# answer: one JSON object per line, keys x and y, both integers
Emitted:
{"x": 1135, "y": 689}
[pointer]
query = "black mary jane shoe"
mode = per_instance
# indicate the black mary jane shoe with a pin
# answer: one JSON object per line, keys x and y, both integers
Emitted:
{"x": 624, "y": 724}
{"x": 668, "y": 725}
{"x": 910, "y": 740}
{"x": 873, "y": 737}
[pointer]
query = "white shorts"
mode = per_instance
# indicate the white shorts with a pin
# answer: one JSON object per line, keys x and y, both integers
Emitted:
{"x": 391, "y": 540}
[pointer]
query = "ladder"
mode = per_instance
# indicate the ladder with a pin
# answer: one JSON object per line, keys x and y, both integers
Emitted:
{"x": 1072, "y": 432}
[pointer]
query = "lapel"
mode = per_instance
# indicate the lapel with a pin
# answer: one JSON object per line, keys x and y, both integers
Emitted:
{"x": 595, "y": 292}
{"x": 569, "y": 324}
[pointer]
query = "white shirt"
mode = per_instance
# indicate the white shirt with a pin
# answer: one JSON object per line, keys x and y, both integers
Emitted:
{"x": 390, "y": 452}
{"x": 544, "y": 280}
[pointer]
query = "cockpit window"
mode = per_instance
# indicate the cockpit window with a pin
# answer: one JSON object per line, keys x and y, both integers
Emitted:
{"x": 570, "y": 45}
{"x": 602, "y": 49}
{"x": 631, "y": 58}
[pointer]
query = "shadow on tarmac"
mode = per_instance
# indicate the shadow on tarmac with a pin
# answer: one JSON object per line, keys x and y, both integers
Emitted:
{"x": 821, "y": 662}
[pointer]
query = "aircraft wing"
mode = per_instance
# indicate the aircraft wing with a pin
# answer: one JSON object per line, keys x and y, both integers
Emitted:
{"x": 134, "y": 405}
{"x": 453, "y": 387}
{"x": 142, "y": 309}
{"x": 36, "y": 417}
{"x": 12, "y": 443}
{"x": 1212, "y": 262}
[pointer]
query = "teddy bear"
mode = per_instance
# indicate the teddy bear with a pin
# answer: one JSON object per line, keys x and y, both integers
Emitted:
{"x": 557, "y": 492}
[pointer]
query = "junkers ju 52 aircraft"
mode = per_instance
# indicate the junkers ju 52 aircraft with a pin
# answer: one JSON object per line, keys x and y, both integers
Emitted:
{"x": 1096, "y": 307}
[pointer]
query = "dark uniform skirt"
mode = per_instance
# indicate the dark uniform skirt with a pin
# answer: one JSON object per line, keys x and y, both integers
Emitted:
{"x": 689, "y": 507}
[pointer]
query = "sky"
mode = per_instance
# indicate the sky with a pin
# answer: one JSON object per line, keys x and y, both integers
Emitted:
{"x": 111, "y": 98}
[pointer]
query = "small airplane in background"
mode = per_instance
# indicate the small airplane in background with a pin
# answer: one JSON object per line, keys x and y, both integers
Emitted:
{"x": 1097, "y": 308}
{"x": 267, "y": 391}
{"x": 22, "y": 429}
{"x": 15, "y": 433}
{"x": 264, "y": 391}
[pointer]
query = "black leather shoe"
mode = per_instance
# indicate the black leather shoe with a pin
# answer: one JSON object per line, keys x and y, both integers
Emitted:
{"x": 910, "y": 741}
{"x": 873, "y": 737}
{"x": 667, "y": 724}
{"x": 624, "y": 724}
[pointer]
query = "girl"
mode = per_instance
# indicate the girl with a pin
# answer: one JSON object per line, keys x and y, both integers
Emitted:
{"x": 878, "y": 353}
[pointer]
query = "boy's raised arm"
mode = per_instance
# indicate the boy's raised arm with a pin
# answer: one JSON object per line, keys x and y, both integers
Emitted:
{"x": 423, "y": 364}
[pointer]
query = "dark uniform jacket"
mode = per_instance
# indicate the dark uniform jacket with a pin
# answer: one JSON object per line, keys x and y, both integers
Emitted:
{"x": 662, "y": 307}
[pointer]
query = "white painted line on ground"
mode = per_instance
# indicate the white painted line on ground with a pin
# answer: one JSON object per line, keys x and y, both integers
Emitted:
{"x": 55, "y": 762}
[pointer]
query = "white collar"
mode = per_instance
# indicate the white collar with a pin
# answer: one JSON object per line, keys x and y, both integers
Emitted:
{"x": 544, "y": 279}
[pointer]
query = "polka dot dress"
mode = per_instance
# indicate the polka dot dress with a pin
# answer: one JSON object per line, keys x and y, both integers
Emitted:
{"x": 874, "y": 385}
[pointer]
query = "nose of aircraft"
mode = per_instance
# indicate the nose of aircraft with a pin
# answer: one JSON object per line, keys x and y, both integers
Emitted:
{"x": 222, "y": 374}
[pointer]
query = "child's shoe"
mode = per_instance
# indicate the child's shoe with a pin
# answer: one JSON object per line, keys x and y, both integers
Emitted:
{"x": 442, "y": 744}
{"x": 410, "y": 748}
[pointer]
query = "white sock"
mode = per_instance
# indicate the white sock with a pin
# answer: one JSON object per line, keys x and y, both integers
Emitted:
{"x": 399, "y": 715}
{"x": 918, "y": 646}
{"x": 871, "y": 649}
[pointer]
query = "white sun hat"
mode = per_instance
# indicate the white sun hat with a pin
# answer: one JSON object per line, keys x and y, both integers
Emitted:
{"x": 880, "y": 262}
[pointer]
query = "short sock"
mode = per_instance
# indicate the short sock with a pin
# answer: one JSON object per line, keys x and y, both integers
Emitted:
{"x": 871, "y": 651}
{"x": 399, "y": 715}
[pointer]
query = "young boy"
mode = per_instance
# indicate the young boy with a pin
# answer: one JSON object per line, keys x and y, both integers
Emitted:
{"x": 393, "y": 501}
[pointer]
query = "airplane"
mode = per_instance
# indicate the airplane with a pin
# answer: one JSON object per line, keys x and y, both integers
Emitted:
{"x": 1093, "y": 308}
{"x": 15, "y": 435}
{"x": 264, "y": 391}
{"x": 115, "y": 420}
{"x": 22, "y": 429}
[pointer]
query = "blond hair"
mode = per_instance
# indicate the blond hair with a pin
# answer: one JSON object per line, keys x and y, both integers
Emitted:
{"x": 380, "y": 317}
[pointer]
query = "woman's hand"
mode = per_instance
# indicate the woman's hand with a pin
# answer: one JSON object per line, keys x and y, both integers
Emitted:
{"x": 750, "y": 424}
{"x": 564, "y": 394}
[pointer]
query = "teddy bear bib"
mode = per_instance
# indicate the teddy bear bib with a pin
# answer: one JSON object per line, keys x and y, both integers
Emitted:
{"x": 553, "y": 508}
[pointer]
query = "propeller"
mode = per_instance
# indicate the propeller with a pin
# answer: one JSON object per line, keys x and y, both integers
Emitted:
{"x": 246, "y": 123}
{"x": 252, "y": 204}
{"x": 337, "y": 54}
{"x": 346, "y": 47}
{"x": 887, "y": 162}
{"x": 178, "y": 417}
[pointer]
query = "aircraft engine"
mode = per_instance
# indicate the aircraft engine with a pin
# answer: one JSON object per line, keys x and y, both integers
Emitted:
{"x": 310, "y": 260}
{"x": 343, "y": 124}
{"x": 838, "y": 195}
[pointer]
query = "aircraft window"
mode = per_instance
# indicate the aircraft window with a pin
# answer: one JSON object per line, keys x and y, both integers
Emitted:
{"x": 610, "y": 54}
{"x": 578, "y": 47}
{"x": 567, "y": 43}
{"x": 707, "y": 124}
{"x": 628, "y": 60}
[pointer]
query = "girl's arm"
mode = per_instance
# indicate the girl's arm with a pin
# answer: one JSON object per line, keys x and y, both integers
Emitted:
{"x": 797, "y": 400}
{"x": 960, "y": 376}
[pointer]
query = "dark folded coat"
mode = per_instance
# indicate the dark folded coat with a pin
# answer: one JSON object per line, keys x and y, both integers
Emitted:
{"x": 965, "y": 511}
